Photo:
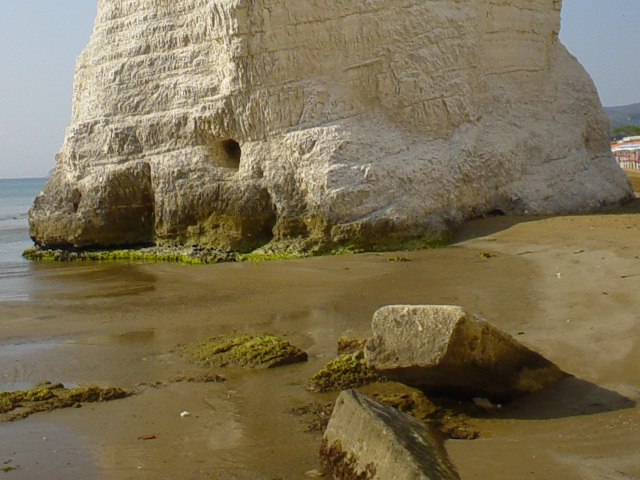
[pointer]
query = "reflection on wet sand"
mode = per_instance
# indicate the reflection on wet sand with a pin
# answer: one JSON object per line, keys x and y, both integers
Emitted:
{"x": 80, "y": 281}
{"x": 25, "y": 444}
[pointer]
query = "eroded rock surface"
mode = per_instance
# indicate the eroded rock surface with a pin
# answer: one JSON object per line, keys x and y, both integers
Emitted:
{"x": 234, "y": 123}
{"x": 443, "y": 349}
{"x": 367, "y": 440}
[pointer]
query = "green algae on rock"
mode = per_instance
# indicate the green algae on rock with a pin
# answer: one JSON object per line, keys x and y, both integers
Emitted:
{"x": 200, "y": 255}
{"x": 251, "y": 351}
{"x": 191, "y": 255}
{"x": 452, "y": 418}
{"x": 47, "y": 397}
{"x": 343, "y": 372}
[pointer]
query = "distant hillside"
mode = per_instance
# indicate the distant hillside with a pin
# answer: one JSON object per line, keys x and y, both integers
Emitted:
{"x": 624, "y": 115}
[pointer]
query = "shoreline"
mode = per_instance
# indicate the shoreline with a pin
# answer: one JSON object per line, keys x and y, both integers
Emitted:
{"x": 197, "y": 255}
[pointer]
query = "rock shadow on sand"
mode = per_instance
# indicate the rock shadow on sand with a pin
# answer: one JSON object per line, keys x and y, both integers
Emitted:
{"x": 569, "y": 397}
{"x": 494, "y": 222}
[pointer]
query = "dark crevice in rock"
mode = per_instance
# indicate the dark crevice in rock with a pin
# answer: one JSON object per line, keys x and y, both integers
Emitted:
{"x": 496, "y": 212}
{"x": 76, "y": 197}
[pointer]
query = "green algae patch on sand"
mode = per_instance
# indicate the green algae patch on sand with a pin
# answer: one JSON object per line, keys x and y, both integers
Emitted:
{"x": 259, "y": 256}
{"x": 47, "y": 397}
{"x": 346, "y": 371}
{"x": 249, "y": 351}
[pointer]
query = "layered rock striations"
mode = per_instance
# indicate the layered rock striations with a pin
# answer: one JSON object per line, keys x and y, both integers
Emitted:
{"x": 234, "y": 123}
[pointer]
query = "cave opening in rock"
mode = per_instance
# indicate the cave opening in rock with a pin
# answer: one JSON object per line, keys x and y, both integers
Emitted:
{"x": 233, "y": 152}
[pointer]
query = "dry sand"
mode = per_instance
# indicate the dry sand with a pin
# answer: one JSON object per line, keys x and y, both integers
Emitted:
{"x": 634, "y": 178}
{"x": 565, "y": 286}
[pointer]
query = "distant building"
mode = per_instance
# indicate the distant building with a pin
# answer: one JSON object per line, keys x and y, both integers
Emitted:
{"x": 627, "y": 152}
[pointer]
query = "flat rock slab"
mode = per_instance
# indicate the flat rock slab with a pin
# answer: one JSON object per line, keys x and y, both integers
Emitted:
{"x": 367, "y": 440}
{"x": 444, "y": 350}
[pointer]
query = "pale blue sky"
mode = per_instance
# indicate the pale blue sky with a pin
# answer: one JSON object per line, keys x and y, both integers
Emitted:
{"x": 40, "y": 39}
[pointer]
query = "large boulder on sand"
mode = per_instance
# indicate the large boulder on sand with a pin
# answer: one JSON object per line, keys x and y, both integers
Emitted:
{"x": 444, "y": 350}
{"x": 235, "y": 123}
{"x": 368, "y": 440}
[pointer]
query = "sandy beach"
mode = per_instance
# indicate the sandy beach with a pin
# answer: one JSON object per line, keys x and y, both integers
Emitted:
{"x": 564, "y": 286}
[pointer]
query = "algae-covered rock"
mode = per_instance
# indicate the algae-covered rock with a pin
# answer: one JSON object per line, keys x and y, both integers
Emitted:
{"x": 454, "y": 419}
{"x": 266, "y": 351}
{"x": 47, "y": 396}
{"x": 343, "y": 372}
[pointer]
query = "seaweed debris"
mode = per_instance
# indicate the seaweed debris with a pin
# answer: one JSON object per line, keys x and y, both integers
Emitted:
{"x": 250, "y": 351}
{"x": 346, "y": 371}
{"x": 48, "y": 396}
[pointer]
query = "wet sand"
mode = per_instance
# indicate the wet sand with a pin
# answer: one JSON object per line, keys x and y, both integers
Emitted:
{"x": 566, "y": 286}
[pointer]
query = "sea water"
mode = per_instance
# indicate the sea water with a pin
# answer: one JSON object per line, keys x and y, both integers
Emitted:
{"x": 16, "y": 197}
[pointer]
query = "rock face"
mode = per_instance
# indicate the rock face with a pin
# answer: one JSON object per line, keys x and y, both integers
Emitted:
{"x": 234, "y": 123}
{"x": 442, "y": 349}
{"x": 367, "y": 440}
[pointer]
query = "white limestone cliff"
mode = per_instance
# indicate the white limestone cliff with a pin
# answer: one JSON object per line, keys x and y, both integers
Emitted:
{"x": 233, "y": 123}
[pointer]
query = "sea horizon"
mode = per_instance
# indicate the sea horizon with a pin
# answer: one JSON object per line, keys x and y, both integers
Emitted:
{"x": 24, "y": 178}
{"x": 44, "y": 177}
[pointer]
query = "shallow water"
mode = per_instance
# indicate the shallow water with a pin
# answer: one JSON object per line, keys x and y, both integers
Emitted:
{"x": 16, "y": 197}
{"x": 24, "y": 445}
